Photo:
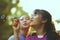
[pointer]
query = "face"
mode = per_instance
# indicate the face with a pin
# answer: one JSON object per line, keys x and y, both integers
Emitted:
{"x": 24, "y": 21}
{"x": 36, "y": 20}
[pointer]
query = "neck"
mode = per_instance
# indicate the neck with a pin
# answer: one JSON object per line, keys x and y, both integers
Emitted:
{"x": 40, "y": 30}
{"x": 24, "y": 32}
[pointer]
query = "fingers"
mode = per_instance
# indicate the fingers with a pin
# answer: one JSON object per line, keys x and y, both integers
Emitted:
{"x": 19, "y": 24}
{"x": 15, "y": 23}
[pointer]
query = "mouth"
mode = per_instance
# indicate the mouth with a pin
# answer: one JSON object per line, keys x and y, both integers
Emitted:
{"x": 25, "y": 24}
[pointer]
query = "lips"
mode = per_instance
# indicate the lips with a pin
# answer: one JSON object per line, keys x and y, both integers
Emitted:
{"x": 25, "y": 24}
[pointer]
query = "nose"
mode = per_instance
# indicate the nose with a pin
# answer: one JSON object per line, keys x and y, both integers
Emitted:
{"x": 24, "y": 20}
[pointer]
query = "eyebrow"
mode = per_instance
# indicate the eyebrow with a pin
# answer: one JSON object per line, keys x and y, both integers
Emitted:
{"x": 23, "y": 17}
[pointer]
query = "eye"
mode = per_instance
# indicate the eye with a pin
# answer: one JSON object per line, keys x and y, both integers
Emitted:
{"x": 27, "y": 18}
{"x": 21, "y": 19}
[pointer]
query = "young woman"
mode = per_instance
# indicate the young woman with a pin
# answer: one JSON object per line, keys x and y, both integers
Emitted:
{"x": 20, "y": 28}
{"x": 41, "y": 21}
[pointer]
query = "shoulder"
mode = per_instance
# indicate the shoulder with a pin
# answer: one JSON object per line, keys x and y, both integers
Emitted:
{"x": 59, "y": 37}
{"x": 11, "y": 37}
{"x": 30, "y": 35}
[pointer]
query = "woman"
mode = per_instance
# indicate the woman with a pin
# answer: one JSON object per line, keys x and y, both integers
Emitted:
{"x": 41, "y": 21}
{"x": 20, "y": 28}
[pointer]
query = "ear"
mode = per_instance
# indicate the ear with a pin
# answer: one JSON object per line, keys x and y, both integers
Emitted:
{"x": 44, "y": 21}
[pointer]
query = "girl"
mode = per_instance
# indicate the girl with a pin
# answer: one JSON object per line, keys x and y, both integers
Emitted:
{"x": 20, "y": 28}
{"x": 41, "y": 21}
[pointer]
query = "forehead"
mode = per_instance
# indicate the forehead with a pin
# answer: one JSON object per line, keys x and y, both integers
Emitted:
{"x": 24, "y": 16}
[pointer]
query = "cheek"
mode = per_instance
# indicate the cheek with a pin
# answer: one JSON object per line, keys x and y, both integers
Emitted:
{"x": 37, "y": 21}
{"x": 28, "y": 22}
{"x": 36, "y": 18}
{"x": 21, "y": 23}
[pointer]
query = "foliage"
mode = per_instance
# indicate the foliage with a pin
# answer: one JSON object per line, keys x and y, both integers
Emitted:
{"x": 5, "y": 11}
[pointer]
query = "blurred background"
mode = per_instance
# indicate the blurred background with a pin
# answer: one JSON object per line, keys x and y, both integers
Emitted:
{"x": 15, "y": 8}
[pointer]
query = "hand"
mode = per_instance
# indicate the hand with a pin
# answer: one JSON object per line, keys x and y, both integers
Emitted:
{"x": 16, "y": 25}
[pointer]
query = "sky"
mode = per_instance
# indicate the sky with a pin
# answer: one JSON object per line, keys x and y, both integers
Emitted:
{"x": 53, "y": 6}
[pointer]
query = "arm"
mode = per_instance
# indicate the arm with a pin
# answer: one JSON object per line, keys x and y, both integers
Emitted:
{"x": 16, "y": 37}
{"x": 16, "y": 29}
{"x": 11, "y": 38}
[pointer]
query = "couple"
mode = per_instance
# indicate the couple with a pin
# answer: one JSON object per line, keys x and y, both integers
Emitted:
{"x": 41, "y": 21}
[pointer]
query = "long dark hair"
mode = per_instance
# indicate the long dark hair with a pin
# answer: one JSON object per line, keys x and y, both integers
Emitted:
{"x": 49, "y": 26}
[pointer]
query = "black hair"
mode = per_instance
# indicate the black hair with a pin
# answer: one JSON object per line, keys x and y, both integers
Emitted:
{"x": 49, "y": 25}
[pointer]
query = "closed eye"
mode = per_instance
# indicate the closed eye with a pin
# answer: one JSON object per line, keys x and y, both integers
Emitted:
{"x": 21, "y": 19}
{"x": 27, "y": 18}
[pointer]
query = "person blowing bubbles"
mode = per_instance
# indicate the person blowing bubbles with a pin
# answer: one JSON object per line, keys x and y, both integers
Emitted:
{"x": 20, "y": 28}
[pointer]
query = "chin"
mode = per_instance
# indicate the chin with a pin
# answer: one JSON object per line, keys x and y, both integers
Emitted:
{"x": 25, "y": 27}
